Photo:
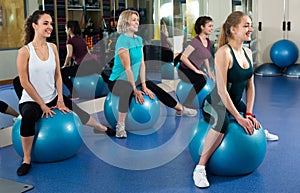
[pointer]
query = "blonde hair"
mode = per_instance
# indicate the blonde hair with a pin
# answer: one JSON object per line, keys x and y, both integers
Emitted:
{"x": 124, "y": 20}
{"x": 232, "y": 21}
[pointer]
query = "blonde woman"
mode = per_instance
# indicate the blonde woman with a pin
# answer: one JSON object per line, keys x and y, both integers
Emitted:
{"x": 129, "y": 71}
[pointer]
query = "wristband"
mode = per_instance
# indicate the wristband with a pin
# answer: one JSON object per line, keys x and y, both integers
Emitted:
{"x": 250, "y": 114}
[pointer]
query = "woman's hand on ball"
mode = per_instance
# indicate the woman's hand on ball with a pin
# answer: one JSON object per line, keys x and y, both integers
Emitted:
{"x": 138, "y": 95}
{"x": 254, "y": 121}
{"x": 47, "y": 111}
{"x": 60, "y": 105}
{"x": 247, "y": 125}
{"x": 148, "y": 92}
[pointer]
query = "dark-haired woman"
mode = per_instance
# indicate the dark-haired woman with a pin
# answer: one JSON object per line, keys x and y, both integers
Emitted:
{"x": 194, "y": 56}
{"x": 40, "y": 78}
{"x": 77, "y": 50}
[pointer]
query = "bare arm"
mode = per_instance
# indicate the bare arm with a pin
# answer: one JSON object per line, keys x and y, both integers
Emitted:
{"x": 68, "y": 56}
{"x": 143, "y": 78}
{"x": 58, "y": 82}
{"x": 250, "y": 88}
{"x": 143, "y": 71}
{"x": 209, "y": 72}
{"x": 250, "y": 94}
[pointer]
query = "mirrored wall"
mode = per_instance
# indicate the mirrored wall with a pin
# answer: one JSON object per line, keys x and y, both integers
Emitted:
{"x": 180, "y": 16}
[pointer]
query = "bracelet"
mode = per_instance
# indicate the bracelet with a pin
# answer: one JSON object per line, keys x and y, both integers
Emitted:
{"x": 250, "y": 114}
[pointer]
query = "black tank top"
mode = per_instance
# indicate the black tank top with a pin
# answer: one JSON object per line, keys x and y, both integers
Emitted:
{"x": 236, "y": 80}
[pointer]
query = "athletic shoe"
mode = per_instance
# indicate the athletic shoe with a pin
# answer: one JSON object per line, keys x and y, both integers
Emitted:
{"x": 270, "y": 136}
{"x": 199, "y": 177}
{"x": 23, "y": 169}
{"x": 187, "y": 112}
{"x": 120, "y": 130}
{"x": 109, "y": 131}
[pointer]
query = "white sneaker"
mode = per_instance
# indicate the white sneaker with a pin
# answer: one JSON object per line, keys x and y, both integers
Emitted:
{"x": 270, "y": 136}
{"x": 187, "y": 112}
{"x": 199, "y": 177}
{"x": 120, "y": 130}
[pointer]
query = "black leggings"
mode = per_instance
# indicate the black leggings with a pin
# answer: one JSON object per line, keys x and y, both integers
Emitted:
{"x": 31, "y": 111}
{"x": 198, "y": 81}
{"x": 3, "y": 107}
{"x": 123, "y": 89}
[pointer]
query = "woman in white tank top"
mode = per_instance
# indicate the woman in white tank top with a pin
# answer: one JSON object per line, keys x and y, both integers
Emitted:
{"x": 39, "y": 74}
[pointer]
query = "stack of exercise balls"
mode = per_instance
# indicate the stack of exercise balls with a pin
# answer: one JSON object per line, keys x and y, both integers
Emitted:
{"x": 56, "y": 138}
{"x": 238, "y": 154}
{"x": 139, "y": 117}
{"x": 283, "y": 53}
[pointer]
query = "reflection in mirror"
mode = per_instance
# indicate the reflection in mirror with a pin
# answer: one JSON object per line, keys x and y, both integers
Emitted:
{"x": 166, "y": 30}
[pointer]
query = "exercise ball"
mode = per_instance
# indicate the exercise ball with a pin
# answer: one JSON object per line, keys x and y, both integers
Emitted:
{"x": 168, "y": 71}
{"x": 284, "y": 53}
{"x": 183, "y": 89}
{"x": 56, "y": 138}
{"x": 238, "y": 154}
{"x": 89, "y": 86}
{"x": 293, "y": 71}
{"x": 139, "y": 117}
{"x": 268, "y": 69}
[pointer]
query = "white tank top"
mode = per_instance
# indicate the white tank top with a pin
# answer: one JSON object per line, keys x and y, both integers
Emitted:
{"x": 41, "y": 75}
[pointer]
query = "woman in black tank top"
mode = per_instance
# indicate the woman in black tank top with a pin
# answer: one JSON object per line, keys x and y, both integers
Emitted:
{"x": 234, "y": 75}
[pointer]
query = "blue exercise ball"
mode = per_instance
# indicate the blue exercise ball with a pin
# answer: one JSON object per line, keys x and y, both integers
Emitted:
{"x": 139, "y": 117}
{"x": 183, "y": 89}
{"x": 168, "y": 71}
{"x": 268, "y": 69}
{"x": 56, "y": 138}
{"x": 89, "y": 86}
{"x": 238, "y": 154}
{"x": 284, "y": 53}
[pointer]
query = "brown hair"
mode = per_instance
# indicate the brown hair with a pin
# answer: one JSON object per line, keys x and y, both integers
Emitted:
{"x": 232, "y": 21}
{"x": 28, "y": 32}
{"x": 201, "y": 21}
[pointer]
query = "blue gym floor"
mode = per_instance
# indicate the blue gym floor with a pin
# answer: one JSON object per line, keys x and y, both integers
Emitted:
{"x": 159, "y": 161}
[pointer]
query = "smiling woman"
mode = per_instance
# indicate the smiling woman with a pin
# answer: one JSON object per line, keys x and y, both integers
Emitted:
{"x": 11, "y": 20}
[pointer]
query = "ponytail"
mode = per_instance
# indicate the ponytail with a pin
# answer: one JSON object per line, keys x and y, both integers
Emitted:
{"x": 232, "y": 21}
{"x": 222, "y": 37}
